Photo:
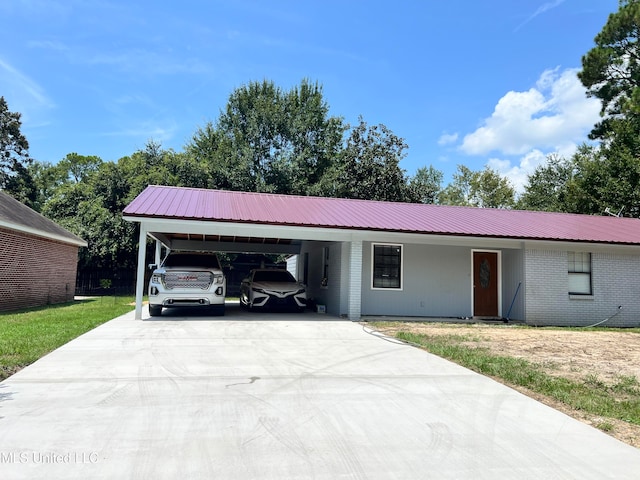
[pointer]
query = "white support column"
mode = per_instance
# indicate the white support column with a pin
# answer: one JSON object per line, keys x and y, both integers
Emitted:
{"x": 142, "y": 250}
{"x": 158, "y": 253}
{"x": 355, "y": 280}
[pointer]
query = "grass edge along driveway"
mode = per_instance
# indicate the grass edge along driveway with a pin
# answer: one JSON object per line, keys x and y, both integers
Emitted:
{"x": 26, "y": 335}
{"x": 612, "y": 407}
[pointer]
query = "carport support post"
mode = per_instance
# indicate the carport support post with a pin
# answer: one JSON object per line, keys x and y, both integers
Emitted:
{"x": 158, "y": 253}
{"x": 142, "y": 250}
{"x": 355, "y": 280}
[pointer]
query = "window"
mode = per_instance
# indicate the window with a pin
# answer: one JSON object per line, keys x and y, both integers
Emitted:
{"x": 387, "y": 266}
{"x": 579, "y": 273}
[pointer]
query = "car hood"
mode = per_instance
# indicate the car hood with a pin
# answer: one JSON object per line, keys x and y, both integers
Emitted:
{"x": 278, "y": 286}
{"x": 187, "y": 269}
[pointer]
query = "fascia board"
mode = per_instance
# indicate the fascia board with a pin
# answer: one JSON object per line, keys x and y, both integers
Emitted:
{"x": 344, "y": 235}
{"x": 39, "y": 233}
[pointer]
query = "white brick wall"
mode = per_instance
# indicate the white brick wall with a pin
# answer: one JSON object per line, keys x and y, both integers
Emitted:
{"x": 615, "y": 282}
{"x": 355, "y": 281}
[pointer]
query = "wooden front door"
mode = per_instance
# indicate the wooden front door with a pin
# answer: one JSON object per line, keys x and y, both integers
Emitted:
{"x": 485, "y": 284}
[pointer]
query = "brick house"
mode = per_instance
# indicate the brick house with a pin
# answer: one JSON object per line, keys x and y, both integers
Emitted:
{"x": 38, "y": 258}
{"x": 364, "y": 258}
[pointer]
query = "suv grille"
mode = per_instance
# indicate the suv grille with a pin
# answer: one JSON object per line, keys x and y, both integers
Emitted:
{"x": 201, "y": 280}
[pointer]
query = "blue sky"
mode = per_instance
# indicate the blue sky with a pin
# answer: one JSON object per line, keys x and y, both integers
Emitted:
{"x": 489, "y": 82}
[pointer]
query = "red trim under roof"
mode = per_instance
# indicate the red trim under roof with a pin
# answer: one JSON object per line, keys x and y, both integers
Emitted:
{"x": 263, "y": 208}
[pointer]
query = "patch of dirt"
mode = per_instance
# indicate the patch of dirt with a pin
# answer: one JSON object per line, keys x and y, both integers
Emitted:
{"x": 606, "y": 357}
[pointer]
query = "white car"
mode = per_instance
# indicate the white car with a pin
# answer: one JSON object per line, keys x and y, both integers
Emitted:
{"x": 272, "y": 288}
{"x": 187, "y": 279}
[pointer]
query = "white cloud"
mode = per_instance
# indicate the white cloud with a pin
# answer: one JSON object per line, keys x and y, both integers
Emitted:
{"x": 54, "y": 45}
{"x": 553, "y": 117}
{"x": 161, "y": 131}
{"x": 517, "y": 174}
{"x": 541, "y": 9}
{"x": 555, "y": 112}
{"x": 525, "y": 165}
{"x": 448, "y": 138}
{"x": 21, "y": 92}
{"x": 149, "y": 62}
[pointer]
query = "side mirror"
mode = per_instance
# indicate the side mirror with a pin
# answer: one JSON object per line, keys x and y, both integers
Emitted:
{"x": 153, "y": 266}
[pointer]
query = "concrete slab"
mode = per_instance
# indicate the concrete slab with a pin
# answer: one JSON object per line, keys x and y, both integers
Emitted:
{"x": 279, "y": 396}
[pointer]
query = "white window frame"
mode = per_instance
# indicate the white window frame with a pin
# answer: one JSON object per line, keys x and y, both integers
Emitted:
{"x": 373, "y": 266}
{"x": 580, "y": 272}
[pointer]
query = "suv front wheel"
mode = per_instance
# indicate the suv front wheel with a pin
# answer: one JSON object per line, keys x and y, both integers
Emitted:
{"x": 155, "y": 310}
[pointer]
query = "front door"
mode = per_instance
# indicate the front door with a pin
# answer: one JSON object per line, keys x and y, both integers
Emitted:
{"x": 485, "y": 284}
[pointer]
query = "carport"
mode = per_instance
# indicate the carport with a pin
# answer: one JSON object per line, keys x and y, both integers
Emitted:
{"x": 221, "y": 221}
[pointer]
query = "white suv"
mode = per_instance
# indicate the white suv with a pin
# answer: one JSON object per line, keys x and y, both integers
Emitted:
{"x": 187, "y": 279}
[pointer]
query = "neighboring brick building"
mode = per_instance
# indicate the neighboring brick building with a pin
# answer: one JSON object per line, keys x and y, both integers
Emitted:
{"x": 38, "y": 258}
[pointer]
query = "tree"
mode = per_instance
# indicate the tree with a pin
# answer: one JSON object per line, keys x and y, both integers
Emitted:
{"x": 605, "y": 180}
{"x": 368, "y": 167}
{"x": 87, "y": 196}
{"x": 611, "y": 70}
{"x": 226, "y": 169}
{"x": 78, "y": 168}
{"x": 491, "y": 190}
{"x": 458, "y": 192}
{"x": 484, "y": 189}
{"x": 14, "y": 156}
{"x": 548, "y": 186}
{"x": 269, "y": 140}
{"x": 426, "y": 184}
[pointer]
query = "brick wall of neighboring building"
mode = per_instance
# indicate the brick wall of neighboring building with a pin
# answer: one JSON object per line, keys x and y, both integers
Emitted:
{"x": 35, "y": 271}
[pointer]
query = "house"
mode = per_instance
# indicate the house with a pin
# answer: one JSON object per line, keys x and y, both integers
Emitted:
{"x": 38, "y": 258}
{"x": 369, "y": 258}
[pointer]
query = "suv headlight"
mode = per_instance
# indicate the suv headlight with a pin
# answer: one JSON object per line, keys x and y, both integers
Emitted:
{"x": 218, "y": 279}
{"x": 156, "y": 278}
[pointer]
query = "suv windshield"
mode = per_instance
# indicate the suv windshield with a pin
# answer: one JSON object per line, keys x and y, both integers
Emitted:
{"x": 201, "y": 260}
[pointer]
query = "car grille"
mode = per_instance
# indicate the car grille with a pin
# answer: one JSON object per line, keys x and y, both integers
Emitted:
{"x": 199, "y": 280}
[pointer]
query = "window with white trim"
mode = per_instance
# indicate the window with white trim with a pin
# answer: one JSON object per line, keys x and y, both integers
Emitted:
{"x": 579, "y": 273}
{"x": 386, "y": 266}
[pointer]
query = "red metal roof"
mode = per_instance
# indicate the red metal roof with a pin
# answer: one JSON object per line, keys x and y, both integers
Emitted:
{"x": 263, "y": 208}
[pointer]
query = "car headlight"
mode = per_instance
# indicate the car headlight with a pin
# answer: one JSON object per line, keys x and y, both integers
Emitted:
{"x": 259, "y": 290}
{"x": 302, "y": 290}
{"x": 156, "y": 278}
{"x": 218, "y": 279}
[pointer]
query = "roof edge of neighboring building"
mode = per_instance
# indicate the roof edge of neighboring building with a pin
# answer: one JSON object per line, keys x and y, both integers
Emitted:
{"x": 17, "y": 216}
{"x": 71, "y": 239}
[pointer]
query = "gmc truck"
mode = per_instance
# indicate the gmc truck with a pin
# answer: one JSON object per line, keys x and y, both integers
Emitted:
{"x": 187, "y": 279}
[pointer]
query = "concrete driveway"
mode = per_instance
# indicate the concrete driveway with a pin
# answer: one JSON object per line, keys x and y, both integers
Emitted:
{"x": 279, "y": 396}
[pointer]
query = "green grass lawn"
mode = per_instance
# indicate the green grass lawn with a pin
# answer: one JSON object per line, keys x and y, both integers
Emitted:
{"x": 620, "y": 401}
{"x": 27, "y": 335}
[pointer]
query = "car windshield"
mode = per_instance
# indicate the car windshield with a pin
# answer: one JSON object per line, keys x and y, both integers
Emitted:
{"x": 200, "y": 260}
{"x": 273, "y": 276}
